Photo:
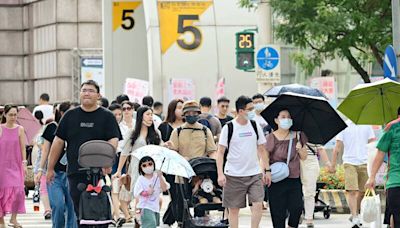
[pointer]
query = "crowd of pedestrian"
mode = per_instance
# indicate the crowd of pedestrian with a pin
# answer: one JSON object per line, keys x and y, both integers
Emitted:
{"x": 251, "y": 156}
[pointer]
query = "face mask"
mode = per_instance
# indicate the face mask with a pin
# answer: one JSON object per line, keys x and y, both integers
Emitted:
{"x": 259, "y": 106}
{"x": 192, "y": 119}
{"x": 285, "y": 123}
{"x": 148, "y": 170}
{"x": 251, "y": 115}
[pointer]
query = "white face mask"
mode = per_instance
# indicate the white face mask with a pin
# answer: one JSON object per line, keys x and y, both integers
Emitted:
{"x": 251, "y": 115}
{"x": 285, "y": 123}
{"x": 259, "y": 107}
{"x": 148, "y": 170}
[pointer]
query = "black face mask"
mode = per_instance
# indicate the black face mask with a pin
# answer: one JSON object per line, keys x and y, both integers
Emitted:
{"x": 192, "y": 119}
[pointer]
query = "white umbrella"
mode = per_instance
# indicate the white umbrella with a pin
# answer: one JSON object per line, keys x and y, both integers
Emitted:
{"x": 168, "y": 161}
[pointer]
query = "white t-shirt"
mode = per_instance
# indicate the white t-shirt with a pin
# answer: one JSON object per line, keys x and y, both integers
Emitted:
{"x": 261, "y": 121}
{"x": 151, "y": 202}
{"x": 126, "y": 134}
{"x": 355, "y": 140}
{"x": 47, "y": 111}
{"x": 157, "y": 121}
{"x": 242, "y": 159}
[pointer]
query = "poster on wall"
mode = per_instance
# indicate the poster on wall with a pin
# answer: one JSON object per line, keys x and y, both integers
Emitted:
{"x": 328, "y": 86}
{"x": 92, "y": 69}
{"x": 220, "y": 90}
{"x": 181, "y": 88}
{"x": 136, "y": 89}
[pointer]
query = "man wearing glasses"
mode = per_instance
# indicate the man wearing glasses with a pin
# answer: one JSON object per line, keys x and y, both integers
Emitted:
{"x": 87, "y": 122}
{"x": 247, "y": 164}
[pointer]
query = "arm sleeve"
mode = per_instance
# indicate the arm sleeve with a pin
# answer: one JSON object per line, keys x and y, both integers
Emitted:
{"x": 49, "y": 131}
{"x": 223, "y": 138}
{"x": 138, "y": 187}
{"x": 371, "y": 134}
{"x": 339, "y": 136}
{"x": 385, "y": 142}
{"x": 211, "y": 147}
{"x": 163, "y": 129}
{"x": 270, "y": 145}
{"x": 112, "y": 127}
{"x": 261, "y": 138}
{"x": 218, "y": 124}
{"x": 62, "y": 132}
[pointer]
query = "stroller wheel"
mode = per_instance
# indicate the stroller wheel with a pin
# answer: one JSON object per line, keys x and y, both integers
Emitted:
{"x": 327, "y": 214}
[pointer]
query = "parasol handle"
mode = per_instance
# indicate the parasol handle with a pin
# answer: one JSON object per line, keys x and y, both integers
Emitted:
{"x": 162, "y": 163}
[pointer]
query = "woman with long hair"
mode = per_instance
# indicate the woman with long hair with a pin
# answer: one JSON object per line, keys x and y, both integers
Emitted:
{"x": 143, "y": 134}
{"x": 174, "y": 119}
{"x": 12, "y": 167}
{"x": 63, "y": 214}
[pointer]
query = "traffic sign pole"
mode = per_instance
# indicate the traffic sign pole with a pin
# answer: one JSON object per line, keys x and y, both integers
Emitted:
{"x": 264, "y": 25}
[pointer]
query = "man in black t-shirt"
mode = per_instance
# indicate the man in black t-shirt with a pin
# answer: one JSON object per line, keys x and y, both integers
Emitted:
{"x": 82, "y": 124}
{"x": 223, "y": 107}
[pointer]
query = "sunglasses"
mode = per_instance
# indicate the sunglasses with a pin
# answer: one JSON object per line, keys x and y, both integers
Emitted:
{"x": 144, "y": 165}
{"x": 126, "y": 108}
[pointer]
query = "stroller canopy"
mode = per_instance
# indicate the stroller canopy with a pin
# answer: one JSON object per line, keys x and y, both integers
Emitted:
{"x": 203, "y": 165}
{"x": 96, "y": 154}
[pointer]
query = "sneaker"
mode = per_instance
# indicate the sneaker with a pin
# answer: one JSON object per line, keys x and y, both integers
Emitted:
{"x": 357, "y": 224}
{"x": 47, "y": 215}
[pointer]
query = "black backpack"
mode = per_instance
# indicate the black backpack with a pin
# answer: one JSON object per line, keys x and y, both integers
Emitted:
{"x": 206, "y": 121}
{"x": 230, "y": 133}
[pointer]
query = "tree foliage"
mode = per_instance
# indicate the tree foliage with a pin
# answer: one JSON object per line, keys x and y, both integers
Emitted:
{"x": 356, "y": 30}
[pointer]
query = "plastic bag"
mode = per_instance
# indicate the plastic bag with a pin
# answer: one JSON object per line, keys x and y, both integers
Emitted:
{"x": 370, "y": 206}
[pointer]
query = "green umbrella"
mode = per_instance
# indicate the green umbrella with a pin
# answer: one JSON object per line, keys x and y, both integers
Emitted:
{"x": 373, "y": 103}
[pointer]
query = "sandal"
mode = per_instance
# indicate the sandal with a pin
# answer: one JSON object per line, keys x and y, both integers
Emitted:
{"x": 120, "y": 222}
{"x": 47, "y": 215}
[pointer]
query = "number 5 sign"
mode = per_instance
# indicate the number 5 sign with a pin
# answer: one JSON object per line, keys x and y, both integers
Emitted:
{"x": 177, "y": 22}
{"x": 123, "y": 15}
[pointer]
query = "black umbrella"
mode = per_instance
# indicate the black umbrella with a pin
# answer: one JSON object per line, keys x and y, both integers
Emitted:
{"x": 294, "y": 88}
{"x": 312, "y": 115}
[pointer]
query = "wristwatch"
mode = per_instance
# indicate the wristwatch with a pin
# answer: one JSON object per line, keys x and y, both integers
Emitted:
{"x": 267, "y": 170}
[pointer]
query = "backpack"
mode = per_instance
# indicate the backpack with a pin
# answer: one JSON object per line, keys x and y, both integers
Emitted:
{"x": 206, "y": 121}
{"x": 230, "y": 133}
{"x": 204, "y": 129}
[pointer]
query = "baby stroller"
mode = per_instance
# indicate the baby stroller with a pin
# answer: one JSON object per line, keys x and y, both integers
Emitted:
{"x": 207, "y": 199}
{"x": 321, "y": 205}
{"x": 94, "y": 204}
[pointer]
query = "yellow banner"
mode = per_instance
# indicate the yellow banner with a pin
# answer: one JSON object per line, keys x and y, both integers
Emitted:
{"x": 176, "y": 19}
{"x": 123, "y": 15}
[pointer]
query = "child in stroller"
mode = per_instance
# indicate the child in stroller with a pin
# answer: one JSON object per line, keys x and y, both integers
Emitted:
{"x": 94, "y": 204}
{"x": 203, "y": 194}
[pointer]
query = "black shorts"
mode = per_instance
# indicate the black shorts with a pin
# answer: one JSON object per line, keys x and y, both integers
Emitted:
{"x": 393, "y": 206}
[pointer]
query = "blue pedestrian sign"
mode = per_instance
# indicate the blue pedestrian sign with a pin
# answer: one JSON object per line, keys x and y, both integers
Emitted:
{"x": 390, "y": 63}
{"x": 267, "y": 58}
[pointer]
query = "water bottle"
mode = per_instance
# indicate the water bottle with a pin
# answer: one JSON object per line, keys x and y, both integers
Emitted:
{"x": 36, "y": 198}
